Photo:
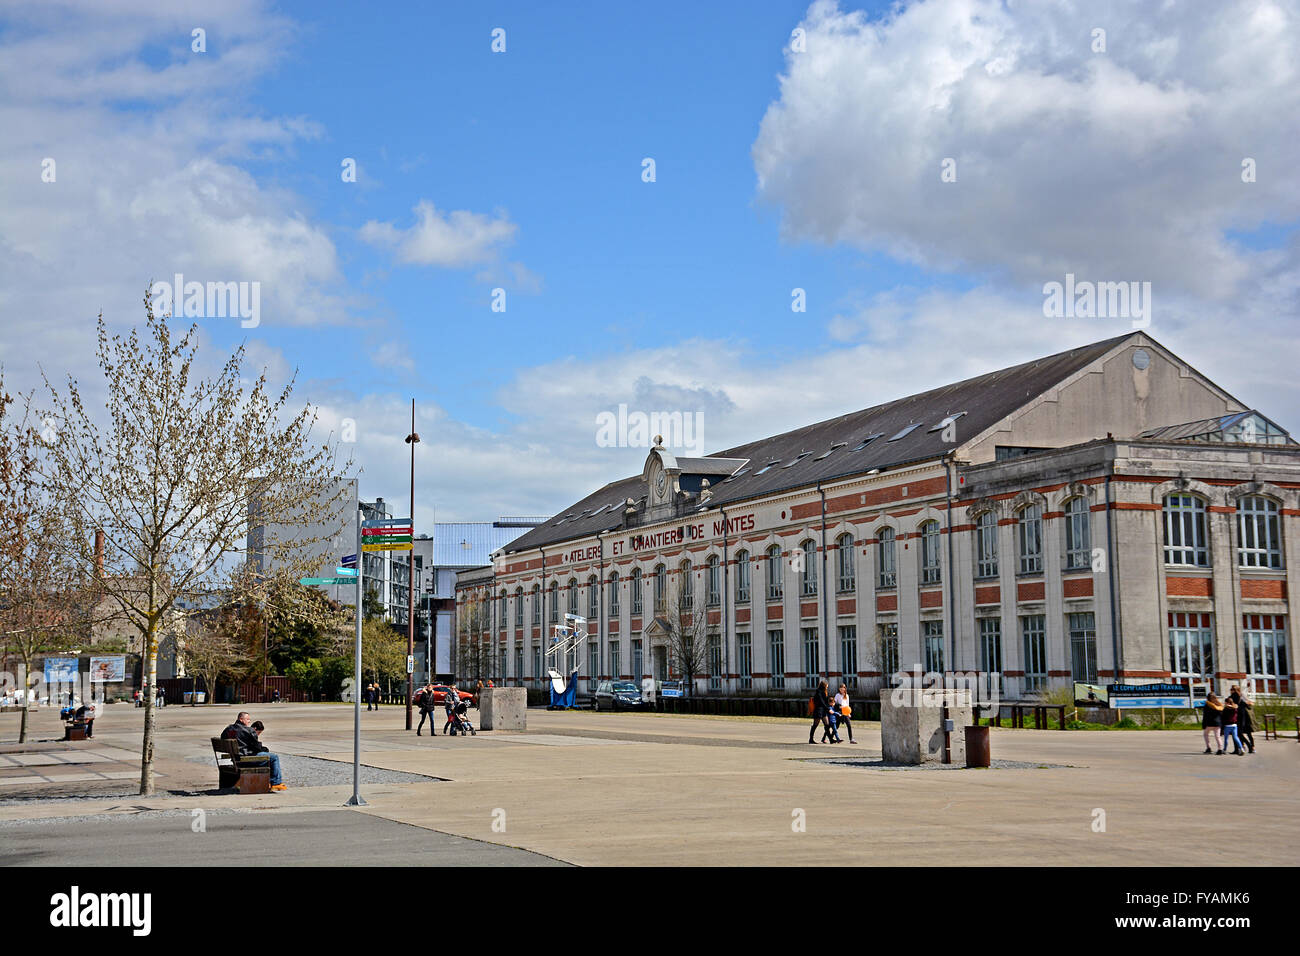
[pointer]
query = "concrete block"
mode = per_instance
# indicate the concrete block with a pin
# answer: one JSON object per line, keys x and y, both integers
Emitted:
{"x": 503, "y": 708}
{"x": 911, "y": 724}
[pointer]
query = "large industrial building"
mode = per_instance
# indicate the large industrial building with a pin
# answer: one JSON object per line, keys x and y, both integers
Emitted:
{"x": 1104, "y": 514}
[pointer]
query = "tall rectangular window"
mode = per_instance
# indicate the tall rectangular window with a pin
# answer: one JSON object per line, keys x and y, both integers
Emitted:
{"x": 661, "y": 587}
{"x": 1083, "y": 647}
{"x": 1185, "y": 538}
{"x": 986, "y": 545}
{"x": 808, "y": 577}
{"x": 1033, "y": 630}
{"x": 614, "y": 583}
{"x": 638, "y": 660}
{"x": 714, "y": 594}
{"x": 932, "y": 644}
{"x": 615, "y": 662}
{"x": 991, "y": 651}
{"x": 1191, "y": 647}
{"x": 537, "y": 663}
{"x": 1264, "y": 639}
{"x": 1260, "y": 538}
{"x": 849, "y": 655}
{"x": 537, "y": 605}
{"x": 715, "y": 662}
{"x": 742, "y": 577}
{"x": 1078, "y": 536}
{"x": 519, "y": 608}
{"x": 745, "y": 660}
{"x": 519, "y": 662}
{"x": 593, "y": 660}
{"x": 889, "y": 654}
{"x": 776, "y": 659}
{"x": 812, "y": 666}
{"x": 636, "y": 592}
{"x": 1029, "y": 531}
{"x": 848, "y": 579}
{"x": 930, "y": 573}
{"x": 775, "y": 584}
{"x": 885, "y": 558}
{"x": 593, "y": 600}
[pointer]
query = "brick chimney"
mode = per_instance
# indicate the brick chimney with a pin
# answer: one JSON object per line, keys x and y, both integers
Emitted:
{"x": 99, "y": 553}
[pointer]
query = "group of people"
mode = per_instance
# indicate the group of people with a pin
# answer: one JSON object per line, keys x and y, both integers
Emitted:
{"x": 1228, "y": 718}
{"x": 454, "y": 704}
{"x": 248, "y": 732}
{"x": 831, "y": 714}
{"x": 372, "y": 696}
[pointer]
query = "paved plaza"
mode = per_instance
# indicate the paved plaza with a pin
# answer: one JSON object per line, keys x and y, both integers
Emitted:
{"x": 611, "y": 789}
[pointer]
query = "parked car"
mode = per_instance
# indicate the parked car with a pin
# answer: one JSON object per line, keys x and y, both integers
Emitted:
{"x": 618, "y": 695}
{"x": 440, "y": 695}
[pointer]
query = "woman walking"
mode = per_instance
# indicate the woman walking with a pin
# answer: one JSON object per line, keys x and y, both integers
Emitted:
{"x": 821, "y": 714}
{"x": 1230, "y": 727}
{"x": 1245, "y": 719}
{"x": 1211, "y": 718}
{"x": 845, "y": 710}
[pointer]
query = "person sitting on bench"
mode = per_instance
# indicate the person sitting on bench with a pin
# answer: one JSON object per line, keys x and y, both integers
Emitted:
{"x": 249, "y": 745}
{"x": 86, "y": 715}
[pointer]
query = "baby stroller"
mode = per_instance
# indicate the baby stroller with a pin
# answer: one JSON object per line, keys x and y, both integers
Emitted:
{"x": 460, "y": 719}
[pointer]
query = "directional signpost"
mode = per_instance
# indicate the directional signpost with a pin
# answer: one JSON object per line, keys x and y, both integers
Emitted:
{"x": 328, "y": 581}
{"x": 388, "y": 534}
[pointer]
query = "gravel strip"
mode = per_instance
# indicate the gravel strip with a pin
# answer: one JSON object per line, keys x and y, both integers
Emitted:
{"x": 315, "y": 772}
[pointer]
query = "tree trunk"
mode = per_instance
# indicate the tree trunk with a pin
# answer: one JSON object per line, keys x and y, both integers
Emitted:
{"x": 22, "y": 726}
{"x": 151, "y": 676}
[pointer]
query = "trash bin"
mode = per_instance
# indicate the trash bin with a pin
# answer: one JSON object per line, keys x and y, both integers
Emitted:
{"x": 977, "y": 746}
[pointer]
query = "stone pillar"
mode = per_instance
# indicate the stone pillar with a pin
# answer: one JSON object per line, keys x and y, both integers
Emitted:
{"x": 911, "y": 724}
{"x": 503, "y": 708}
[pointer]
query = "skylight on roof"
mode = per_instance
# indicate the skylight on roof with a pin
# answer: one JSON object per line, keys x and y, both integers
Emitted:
{"x": 834, "y": 445}
{"x": 868, "y": 440}
{"x": 796, "y": 459}
{"x": 599, "y": 510}
{"x": 767, "y": 466}
{"x": 946, "y": 422}
{"x": 905, "y": 431}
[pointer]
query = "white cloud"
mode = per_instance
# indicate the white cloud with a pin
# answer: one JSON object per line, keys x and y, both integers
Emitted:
{"x": 1117, "y": 165}
{"x": 450, "y": 240}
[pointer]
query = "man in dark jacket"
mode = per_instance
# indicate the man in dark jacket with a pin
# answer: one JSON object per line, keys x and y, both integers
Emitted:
{"x": 249, "y": 745}
{"x": 1245, "y": 718}
{"x": 426, "y": 708}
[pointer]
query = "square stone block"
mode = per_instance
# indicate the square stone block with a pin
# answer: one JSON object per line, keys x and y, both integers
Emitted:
{"x": 911, "y": 724}
{"x": 503, "y": 708}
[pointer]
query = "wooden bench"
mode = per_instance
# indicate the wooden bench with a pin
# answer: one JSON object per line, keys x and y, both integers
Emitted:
{"x": 250, "y": 774}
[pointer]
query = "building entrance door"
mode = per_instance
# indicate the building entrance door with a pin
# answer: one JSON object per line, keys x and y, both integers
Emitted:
{"x": 661, "y": 663}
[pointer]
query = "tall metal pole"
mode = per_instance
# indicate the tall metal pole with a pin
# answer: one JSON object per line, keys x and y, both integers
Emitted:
{"x": 355, "y": 800}
{"x": 412, "y": 439}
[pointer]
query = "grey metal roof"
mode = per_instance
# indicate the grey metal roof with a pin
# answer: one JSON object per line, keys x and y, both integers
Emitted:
{"x": 1224, "y": 428}
{"x": 469, "y": 543}
{"x": 876, "y": 437}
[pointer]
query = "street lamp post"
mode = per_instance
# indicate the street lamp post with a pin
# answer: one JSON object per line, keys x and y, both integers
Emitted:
{"x": 412, "y": 439}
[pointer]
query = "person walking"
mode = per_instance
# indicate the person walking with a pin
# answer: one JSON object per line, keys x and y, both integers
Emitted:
{"x": 1211, "y": 718}
{"x": 1230, "y": 727}
{"x": 426, "y": 709}
{"x": 449, "y": 702}
{"x": 1245, "y": 718}
{"x": 845, "y": 710}
{"x": 821, "y": 715}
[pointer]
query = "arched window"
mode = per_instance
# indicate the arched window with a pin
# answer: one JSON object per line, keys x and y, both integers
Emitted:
{"x": 986, "y": 545}
{"x": 885, "y": 558}
{"x": 1078, "y": 535}
{"x": 714, "y": 597}
{"x": 593, "y": 598}
{"x": 775, "y": 585}
{"x": 613, "y": 594}
{"x": 1029, "y": 535}
{"x": 636, "y": 591}
{"x": 573, "y": 595}
{"x": 554, "y": 601}
{"x": 844, "y": 561}
{"x": 661, "y": 587}
{"x": 519, "y": 607}
{"x": 688, "y": 584}
{"x": 1186, "y": 541}
{"x": 1259, "y": 533}
{"x": 930, "y": 573}
{"x": 742, "y": 577}
{"x": 808, "y": 576}
{"x": 537, "y": 604}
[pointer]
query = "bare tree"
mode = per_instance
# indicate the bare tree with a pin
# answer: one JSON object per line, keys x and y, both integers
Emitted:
{"x": 688, "y": 634}
{"x": 212, "y": 645}
{"x": 180, "y": 476}
{"x": 474, "y": 650}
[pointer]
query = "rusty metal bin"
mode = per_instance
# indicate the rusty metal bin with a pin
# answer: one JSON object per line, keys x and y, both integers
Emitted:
{"x": 977, "y": 746}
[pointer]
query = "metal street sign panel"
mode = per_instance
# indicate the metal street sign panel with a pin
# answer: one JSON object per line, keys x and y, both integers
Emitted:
{"x": 346, "y": 572}
{"x": 410, "y": 664}
{"x": 349, "y": 561}
{"x": 327, "y": 581}
{"x": 1149, "y": 695}
{"x": 388, "y": 547}
{"x": 387, "y": 523}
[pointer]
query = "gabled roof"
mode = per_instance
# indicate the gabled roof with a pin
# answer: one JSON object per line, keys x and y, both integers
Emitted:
{"x": 900, "y": 432}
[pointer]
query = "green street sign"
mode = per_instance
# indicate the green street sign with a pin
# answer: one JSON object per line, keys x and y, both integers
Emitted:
{"x": 327, "y": 580}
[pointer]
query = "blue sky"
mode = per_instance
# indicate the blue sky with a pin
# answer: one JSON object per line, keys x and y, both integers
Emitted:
{"x": 779, "y": 165}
